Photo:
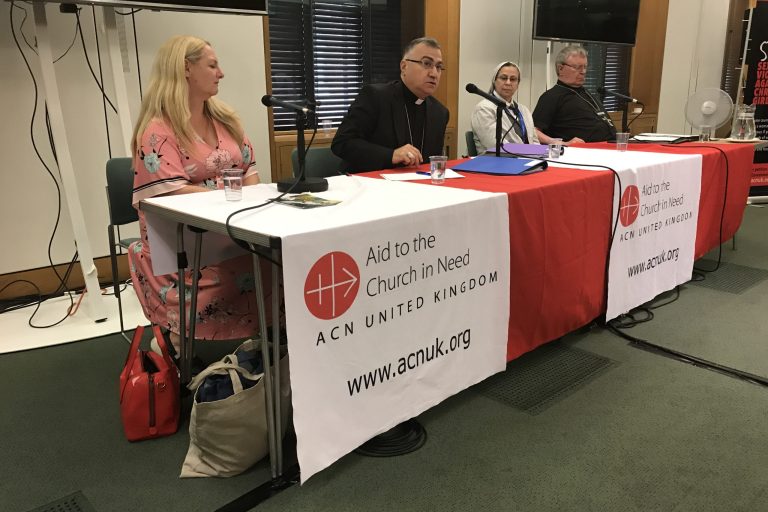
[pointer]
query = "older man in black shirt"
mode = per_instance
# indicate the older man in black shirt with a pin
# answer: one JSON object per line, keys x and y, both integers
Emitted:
{"x": 568, "y": 111}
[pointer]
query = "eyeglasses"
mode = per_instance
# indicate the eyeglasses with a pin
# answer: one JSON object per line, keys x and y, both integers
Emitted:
{"x": 429, "y": 64}
{"x": 505, "y": 78}
{"x": 580, "y": 69}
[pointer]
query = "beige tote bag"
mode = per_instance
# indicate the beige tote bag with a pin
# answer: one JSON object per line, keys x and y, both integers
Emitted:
{"x": 228, "y": 436}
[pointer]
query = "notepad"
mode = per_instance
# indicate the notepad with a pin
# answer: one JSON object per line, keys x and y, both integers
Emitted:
{"x": 502, "y": 166}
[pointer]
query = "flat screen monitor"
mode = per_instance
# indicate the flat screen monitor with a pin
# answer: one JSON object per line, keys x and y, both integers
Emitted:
{"x": 252, "y": 7}
{"x": 589, "y": 21}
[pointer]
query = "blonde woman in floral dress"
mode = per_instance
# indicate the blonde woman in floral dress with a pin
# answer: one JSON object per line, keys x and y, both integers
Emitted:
{"x": 184, "y": 138}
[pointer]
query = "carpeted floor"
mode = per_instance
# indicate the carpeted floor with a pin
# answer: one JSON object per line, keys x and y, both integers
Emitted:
{"x": 634, "y": 432}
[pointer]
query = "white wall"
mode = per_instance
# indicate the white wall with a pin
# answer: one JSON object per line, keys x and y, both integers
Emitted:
{"x": 491, "y": 31}
{"x": 28, "y": 198}
{"x": 494, "y": 31}
{"x": 693, "y": 57}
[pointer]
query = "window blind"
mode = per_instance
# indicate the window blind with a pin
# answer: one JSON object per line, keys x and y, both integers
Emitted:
{"x": 609, "y": 67}
{"x": 323, "y": 51}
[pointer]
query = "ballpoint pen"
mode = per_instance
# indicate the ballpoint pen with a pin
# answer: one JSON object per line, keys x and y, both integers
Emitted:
{"x": 423, "y": 173}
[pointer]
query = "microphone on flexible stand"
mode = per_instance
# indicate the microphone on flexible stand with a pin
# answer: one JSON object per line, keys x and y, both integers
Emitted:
{"x": 472, "y": 88}
{"x": 603, "y": 91}
{"x": 300, "y": 183}
{"x": 500, "y": 106}
{"x": 271, "y": 101}
{"x": 628, "y": 99}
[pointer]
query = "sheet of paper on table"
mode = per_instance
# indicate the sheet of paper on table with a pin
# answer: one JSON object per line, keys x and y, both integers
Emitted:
{"x": 414, "y": 176}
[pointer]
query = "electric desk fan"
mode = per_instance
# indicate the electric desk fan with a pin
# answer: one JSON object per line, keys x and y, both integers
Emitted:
{"x": 708, "y": 109}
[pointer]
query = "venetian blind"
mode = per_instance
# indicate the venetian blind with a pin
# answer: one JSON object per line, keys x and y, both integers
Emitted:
{"x": 325, "y": 50}
{"x": 609, "y": 68}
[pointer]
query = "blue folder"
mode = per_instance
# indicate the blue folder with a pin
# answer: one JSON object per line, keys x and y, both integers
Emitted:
{"x": 501, "y": 165}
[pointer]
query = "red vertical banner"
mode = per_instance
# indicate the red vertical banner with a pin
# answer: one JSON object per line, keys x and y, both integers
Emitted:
{"x": 756, "y": 92}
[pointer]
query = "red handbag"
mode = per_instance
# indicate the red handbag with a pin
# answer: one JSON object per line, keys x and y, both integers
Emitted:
{"x": 149, "y": 391}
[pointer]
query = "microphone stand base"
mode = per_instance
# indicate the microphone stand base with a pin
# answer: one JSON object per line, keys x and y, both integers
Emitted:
{"x": 305, "y": 185}
{"x": 404, "y": 438}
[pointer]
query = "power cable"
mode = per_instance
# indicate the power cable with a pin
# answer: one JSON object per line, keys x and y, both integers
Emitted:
{"x": 722, "y": 211}
{"x": 136, "y": 49}
{"x": 88, "y": 61}
{"x": 689, "y": 359}
{"x": 62, "y": 280}
{"x": 101, "y": 80}
{"x": 277, "y": 199}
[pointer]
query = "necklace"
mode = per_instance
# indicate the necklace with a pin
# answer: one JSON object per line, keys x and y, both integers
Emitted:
{"x": 410, "y": 134}
{"x": 591, "y": 102}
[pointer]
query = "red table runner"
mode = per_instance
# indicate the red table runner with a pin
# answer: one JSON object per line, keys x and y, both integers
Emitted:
{"x": 560, "y": 222}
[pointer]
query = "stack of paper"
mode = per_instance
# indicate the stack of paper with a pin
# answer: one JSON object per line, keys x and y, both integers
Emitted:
{"x": 664, "y": 137}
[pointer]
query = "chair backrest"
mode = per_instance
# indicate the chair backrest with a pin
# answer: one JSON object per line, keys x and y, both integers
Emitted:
{"x": 120, "y": 192}
{"x": 471, "y": 148}
{"x": 320, "y": 163}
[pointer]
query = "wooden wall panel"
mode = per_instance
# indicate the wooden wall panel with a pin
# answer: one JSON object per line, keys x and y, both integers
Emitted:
{"x": 442, "y": 21}
{"x": 47, "y": 282}
{"x": 648, "y": 54}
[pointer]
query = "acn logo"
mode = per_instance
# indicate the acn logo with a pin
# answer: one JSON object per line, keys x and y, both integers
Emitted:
{"x": 331, "y": 285}
{"x": 630, "y": 205}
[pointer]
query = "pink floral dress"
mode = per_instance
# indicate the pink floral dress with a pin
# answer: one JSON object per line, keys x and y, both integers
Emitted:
{"x": 226, "y": 304}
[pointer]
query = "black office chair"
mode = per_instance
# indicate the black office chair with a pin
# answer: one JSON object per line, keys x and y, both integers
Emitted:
{"x": 121, "y": 212}
{"x": 320, "y": 163}
{"x": 471, "y": 147}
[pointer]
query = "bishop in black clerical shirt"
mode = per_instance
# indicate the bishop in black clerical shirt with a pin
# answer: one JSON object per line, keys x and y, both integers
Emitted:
{"x": 397, "y": 124}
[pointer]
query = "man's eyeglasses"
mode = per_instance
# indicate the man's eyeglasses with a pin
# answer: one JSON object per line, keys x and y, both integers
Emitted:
{"x": 505, "y": 78}
{"x": 429, "y": 64}
{"x": 580, "y": 69}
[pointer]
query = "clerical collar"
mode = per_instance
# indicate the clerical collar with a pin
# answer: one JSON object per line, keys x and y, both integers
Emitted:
{"x": 561, "y": 84}
{"x": 409, "y": 96}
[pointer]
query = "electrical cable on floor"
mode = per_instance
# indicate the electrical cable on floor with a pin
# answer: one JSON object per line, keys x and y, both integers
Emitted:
{"x": 675, "y": 291}
{"x": 629, "y": 320}
{"x": 643, "y": 313}
{"x": 689, "y": 359}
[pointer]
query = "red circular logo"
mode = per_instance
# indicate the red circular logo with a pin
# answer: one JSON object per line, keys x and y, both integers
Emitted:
{"x": 331, "y": 285}
{"x": 630, "y": 205}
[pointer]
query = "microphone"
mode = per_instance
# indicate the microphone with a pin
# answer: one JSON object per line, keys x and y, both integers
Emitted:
{"x": 472, "y": 88}
{"x": 603, "y": 91}
{"x": 271, "y": 101}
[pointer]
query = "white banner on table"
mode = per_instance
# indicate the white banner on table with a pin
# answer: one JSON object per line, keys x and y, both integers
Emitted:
{"x": 389, "y": 317}
{"x": 658, "y": 209}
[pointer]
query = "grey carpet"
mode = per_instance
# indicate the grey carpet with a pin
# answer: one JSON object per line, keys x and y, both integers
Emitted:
{"x": 650, "y": 434}
{"x": 712, "y": 322}
{"x": 75, "y": 502}
{"x": 541, "y": 378}
{"x": 61, "y": 432}
{"x": 729, "y": 277}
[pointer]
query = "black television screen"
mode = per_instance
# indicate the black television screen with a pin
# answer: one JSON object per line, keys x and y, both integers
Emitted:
{"x": 592, "y": 21}
{"x": 252, "y": 7}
